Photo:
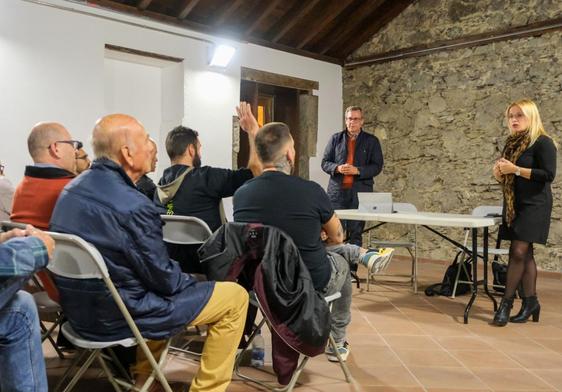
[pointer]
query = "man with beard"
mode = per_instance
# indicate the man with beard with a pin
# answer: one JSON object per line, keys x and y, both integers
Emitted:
{"x": 187, "y": 188}
{"x": 301, "y": 209}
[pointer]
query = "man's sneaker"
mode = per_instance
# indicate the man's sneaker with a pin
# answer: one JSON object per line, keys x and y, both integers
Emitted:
{"x": 377, "y": 261}
{"x": 343, "y": 349}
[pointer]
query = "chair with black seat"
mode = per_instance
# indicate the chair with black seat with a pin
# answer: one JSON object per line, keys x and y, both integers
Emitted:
{"x": 266, "y": 261}
{"x": 75, "y": 258}
{"x": 303, "y": 360}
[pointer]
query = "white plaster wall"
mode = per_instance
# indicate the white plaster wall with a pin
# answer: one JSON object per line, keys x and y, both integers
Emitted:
{"x": 135, "y": 89}
{"x": 52, "y": 67}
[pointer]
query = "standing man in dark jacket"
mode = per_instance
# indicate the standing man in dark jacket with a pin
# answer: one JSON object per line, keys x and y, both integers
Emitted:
{"x": 127, "y": 230}
{"x": 352, "y": 158}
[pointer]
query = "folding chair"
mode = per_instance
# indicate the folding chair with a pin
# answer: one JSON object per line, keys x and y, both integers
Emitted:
{"x": 187, "y": 231}
{"x": 46, "y": 307}
{"x": 289, "y": 387}
{"x": 75, "y": 258}
{"x": 466, "y": 257}
{"x": 409, "y": 245}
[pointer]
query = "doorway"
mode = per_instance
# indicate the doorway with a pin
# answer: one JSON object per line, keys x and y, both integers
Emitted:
{"x": 147, "y": 86}
{"x": 280, "y": 98}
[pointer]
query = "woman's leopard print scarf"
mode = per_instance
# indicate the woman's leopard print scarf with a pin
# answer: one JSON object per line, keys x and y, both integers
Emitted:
{"x": 515, "y": 145}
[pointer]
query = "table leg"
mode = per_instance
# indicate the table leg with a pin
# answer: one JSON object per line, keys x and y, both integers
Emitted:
{"x": 415, "y": 272}
{"x": 485, "y": 257}
{"x": 474, "y": 273}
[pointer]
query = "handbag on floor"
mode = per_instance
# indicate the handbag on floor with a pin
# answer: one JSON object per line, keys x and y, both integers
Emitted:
{"x": 446, "y": 286}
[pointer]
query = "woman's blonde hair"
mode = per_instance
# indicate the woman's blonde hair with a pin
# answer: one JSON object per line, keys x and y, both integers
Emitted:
{"x": 530, "y": 110}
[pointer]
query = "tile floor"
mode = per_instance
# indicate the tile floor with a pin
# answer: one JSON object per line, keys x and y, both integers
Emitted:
{"x": 401, "y": 341}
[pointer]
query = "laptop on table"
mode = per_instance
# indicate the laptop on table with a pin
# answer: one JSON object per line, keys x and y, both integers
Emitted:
{"x": 379, "y": 202}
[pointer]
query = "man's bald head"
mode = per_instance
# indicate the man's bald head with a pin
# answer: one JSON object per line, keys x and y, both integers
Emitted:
{"x": 42, "y": 136}
{"x": 111, "y": 133}
{"x": 50, "y": 142}
{"x": 122, "y": 139}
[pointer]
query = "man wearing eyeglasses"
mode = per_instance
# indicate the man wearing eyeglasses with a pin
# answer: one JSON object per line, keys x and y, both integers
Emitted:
{"x": 54, "y": 164}
{"x": 352, "y": 158}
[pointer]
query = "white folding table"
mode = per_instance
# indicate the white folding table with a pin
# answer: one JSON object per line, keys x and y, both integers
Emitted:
{"x": 427, "y": 219}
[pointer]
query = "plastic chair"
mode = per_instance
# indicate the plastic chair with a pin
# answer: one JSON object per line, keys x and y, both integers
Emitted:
{"x": 409, "y": 245}
{"x": 185, "y": 230}
{"x": 188, "y": 231}
{"x": 466, "y": 257}
{"x": 289, "y": 387}
{"x": 75, "y": 258}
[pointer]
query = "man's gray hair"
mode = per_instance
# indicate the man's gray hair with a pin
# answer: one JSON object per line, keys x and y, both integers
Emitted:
{"x": 353, "y": 109}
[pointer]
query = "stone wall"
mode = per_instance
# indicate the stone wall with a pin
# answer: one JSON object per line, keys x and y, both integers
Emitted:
{"x": 440, "y": 117}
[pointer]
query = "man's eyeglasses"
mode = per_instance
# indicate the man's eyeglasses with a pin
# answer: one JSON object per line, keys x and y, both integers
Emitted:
{"x": 354, "y": 118}
{"x": 82, "y": 157}
{"x": 75, "y": 143}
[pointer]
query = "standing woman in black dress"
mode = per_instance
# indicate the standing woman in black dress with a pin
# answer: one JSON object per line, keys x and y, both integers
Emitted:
{"x": 525, "y": 170}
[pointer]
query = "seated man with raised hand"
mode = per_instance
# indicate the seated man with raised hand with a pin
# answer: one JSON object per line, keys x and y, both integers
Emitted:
{"x": 127, "y": 230}
{"x": 301, "y": 208}
{"x": 187, "y": 188}
{"x": 22, "y": 367}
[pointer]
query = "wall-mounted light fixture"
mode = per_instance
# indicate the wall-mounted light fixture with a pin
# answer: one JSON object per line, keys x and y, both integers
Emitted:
{"x": 222, "y": 54}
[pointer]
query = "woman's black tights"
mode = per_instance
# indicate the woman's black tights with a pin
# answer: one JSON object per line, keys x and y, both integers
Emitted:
{"x": 521, "y": 268}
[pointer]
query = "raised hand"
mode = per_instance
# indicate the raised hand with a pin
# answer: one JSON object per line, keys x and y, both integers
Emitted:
{"x": 246, "y": 118}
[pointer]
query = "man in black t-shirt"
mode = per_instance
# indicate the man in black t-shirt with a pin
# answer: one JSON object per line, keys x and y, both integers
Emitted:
{"x": 301, "y": 208}
{"x": 187, "y": 188}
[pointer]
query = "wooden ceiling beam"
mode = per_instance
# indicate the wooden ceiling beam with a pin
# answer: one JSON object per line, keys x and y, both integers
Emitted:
{"x": 388, "y": 11}
{"x": 344, "y": 30}
{"x": 143, "y": 4}
{"x": 227, "y": 11}
{"x": 262, "y": 15}
{"x": 292, "y": 17}
{"x": 530, "y": 30}
{"x": 198, "y": 27}
{"x": 326, "y": 18}
{"x": 186, "y": 7}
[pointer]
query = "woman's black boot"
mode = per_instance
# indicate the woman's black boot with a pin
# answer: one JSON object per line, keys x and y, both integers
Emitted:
{"x": 529, "y": 307}
{"x": 502, "y": 315}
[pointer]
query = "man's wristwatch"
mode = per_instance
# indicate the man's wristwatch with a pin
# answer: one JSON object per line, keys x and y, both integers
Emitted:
{"x": 517, "y": 171}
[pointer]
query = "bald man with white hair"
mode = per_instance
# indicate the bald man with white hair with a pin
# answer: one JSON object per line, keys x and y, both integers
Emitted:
{"x": 54, "y": 165}
{"x": 104, "y": 207}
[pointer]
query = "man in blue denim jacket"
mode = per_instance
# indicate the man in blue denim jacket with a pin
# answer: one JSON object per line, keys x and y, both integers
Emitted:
{"x": 22, "y": 367}
{"x": 352, "y": 158}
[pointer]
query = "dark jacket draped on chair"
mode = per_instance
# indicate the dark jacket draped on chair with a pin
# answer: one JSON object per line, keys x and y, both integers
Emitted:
{"x": 266, "y": 260}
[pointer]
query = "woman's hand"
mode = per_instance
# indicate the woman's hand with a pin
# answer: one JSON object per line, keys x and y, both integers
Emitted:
{"x": 506, "y": 167}
{"x": 496, "y": 171}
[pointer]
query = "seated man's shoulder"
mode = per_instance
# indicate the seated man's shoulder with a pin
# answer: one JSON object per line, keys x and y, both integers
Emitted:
{"x": 100, "y": 189}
